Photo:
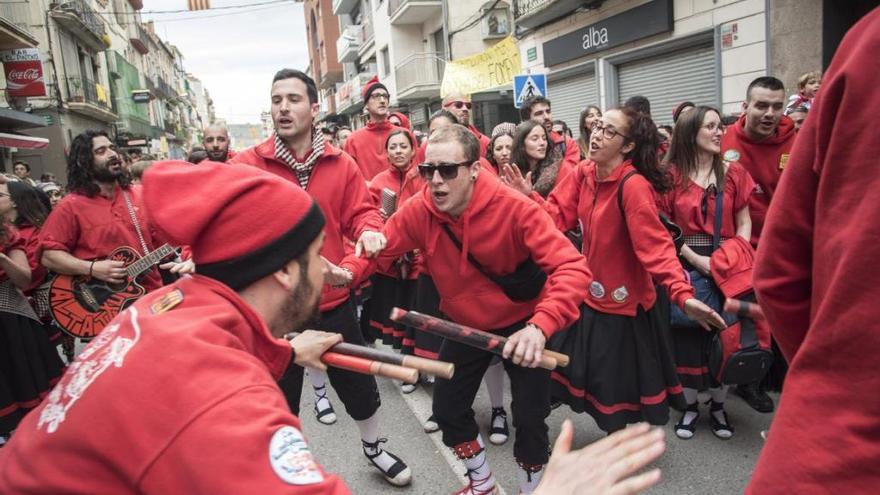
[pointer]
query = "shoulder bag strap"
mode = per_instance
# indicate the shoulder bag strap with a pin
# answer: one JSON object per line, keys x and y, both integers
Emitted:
{"x": 719, "y": 211}
{"x": 620, "y": 190}
{"x": 470, "y": 258}
{"x": 134, "y": 220}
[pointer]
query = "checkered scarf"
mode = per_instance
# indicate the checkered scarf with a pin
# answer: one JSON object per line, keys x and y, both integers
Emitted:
{"x": 303, "y": 170}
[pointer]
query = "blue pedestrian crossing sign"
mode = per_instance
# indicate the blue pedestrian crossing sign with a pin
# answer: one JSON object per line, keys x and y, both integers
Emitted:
{"x": 527, "y": 85}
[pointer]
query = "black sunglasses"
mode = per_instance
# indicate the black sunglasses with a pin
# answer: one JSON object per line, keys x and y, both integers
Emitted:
{"x": 448, "y": 171}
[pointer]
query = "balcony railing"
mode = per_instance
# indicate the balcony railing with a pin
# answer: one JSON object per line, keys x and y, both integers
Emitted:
{"x": 349, "y": 42}
{"x": 139, "y": 39}
{"x": 343, "y": 6}
{"x": 165, "y": 88}
{"x": 413, "y": 11}
{"x": 78, "y": 17}
{"x": 419, "y": 75}
{"x": 533, "y": 13}
{"x": 82, "y": 90}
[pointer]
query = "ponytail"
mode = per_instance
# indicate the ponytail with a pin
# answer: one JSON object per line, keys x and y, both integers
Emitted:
{"x": 643, "y": 133}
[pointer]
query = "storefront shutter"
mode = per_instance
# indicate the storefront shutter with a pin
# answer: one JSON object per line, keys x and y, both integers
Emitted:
{"x": 569, "y": 95}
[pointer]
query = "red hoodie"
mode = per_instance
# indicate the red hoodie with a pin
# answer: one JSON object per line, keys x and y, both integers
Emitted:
{"x": 405, "y": 185}
{"x": 763, "y": 160}
{"x": 500, "y": 228}
{"x": 482, "y": 138}
{"x": 367, "y": 146}
{"x": 625, "y": 253}
{"x": 817, "y": 282}
{"x": 340, "y": 190}
{"x": 209, "y": 419}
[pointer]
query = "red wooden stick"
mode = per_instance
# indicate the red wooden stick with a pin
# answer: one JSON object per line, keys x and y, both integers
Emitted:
{"x": 744, "y": 309}
{"x": 370, "y": 367}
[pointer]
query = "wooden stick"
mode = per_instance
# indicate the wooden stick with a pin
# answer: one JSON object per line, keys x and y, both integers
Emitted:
{"x": 428, "y": 366}
{"x": 744, "y": 309}
{"x": 370, "y": 367}
{"x": 469, "y": 336}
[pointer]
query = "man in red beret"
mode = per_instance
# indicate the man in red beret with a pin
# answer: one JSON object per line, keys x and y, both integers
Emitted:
{"x": 297, "y": 152}
{"x": 367, "y": 144}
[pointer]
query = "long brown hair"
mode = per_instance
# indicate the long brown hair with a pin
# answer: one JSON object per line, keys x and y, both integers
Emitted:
{"x": 684, "y": 150}
{"x": 584, "y": 138}
{"x": 643, "y": 133}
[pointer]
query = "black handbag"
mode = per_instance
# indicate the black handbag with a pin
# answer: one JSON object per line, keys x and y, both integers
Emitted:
{"x": 524, "y": 284}
{"x": 741, "y": 353}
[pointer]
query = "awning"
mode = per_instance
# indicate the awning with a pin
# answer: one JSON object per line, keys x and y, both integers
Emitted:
{"x": 21, "y": 141}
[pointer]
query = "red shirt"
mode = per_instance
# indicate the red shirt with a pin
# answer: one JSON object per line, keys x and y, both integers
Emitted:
{"x": 91, "y": 228}
{"x": 340, "y": 190}
{"x": 367, "y": 146}
{"x": 405, "y": 185}
{"x": 209, "y": 419}
{"x": 482, "y": 138}
{"x": 500, "y": 228}
{"x": 684, "y": 206}
{"x": 817, "y": 284}
{"x": 14, "y": 241}
{"x": 31, "y": 237}
{"x": 763, "y": 160}
{"x": 624, "y": 252}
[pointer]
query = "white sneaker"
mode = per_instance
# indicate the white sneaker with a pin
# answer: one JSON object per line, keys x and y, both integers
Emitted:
{"x": 431, "y": 425}
{"x": 407, "y": 388}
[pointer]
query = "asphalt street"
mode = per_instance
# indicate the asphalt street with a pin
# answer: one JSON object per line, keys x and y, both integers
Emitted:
{"x": 701, "y": 465}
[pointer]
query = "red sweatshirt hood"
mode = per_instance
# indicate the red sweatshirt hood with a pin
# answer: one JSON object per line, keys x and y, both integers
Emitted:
{"x": 783, "y": 132}
{"x": 404, "y": 120}
{"x": 485, "y": 189}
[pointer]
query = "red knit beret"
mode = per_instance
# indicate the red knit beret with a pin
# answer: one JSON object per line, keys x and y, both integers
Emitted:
{"x": 372, "y": 85}
{"x": 240, "y": 222}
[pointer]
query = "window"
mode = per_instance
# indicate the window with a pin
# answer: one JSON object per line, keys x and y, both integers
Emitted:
{"x": 386, "y": 63}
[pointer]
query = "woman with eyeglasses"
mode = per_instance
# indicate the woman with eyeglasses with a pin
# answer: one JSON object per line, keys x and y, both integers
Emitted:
{"x": 588, "y": 115}
{"x": 29, "y": 363}
{"x": 622, "y": 368}
{"x": 699, "y": 172}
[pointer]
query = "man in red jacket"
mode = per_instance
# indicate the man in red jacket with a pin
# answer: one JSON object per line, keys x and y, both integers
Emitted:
{"x": 367, "y": 144}
{"x": 462, "y": 215}
{"x": 460, "y": 105}
{"x": 761, "y": 141}
{"x": 537, "y": 109}
{"x": 298, "y": 153}
{"x": 817, "y": 283}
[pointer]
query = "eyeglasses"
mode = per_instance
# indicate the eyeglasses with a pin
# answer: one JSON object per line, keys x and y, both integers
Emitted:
{"x": 376, "y": 96}
{"x": 460, "y": 104}
{"x": 448, "y": 171}
{"x": 607, "y": 131}
{"x": 714, "y": 126}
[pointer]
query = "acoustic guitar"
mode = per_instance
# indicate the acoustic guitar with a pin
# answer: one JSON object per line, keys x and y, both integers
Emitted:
{"x": 82, "y": 306}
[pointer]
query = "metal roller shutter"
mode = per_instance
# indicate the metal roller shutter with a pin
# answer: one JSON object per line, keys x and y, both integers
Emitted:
{"x": 570, "y": 95}
{"x": 671, "y": 78}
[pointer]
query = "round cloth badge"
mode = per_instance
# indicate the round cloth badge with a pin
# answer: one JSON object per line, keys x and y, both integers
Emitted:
{"x": 620, "y": 294}
{"x": 731, "y": 155}
{"x": 597, "y": 290}
{"x": 291, "y": 459}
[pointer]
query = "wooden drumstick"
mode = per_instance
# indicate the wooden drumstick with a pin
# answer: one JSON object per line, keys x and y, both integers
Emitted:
{"x": 744, "y": 309}
{"x": 370, "y": 367}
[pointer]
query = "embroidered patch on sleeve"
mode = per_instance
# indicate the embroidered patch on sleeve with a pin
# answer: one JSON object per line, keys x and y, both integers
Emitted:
{"x": 291, "y": 459}
{"x": 167, "y": 302}
{"x": 783, "y": 161}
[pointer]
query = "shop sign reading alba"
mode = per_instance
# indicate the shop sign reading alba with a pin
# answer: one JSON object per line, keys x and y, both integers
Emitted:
{"x": 24, "y": 72}
{"x": 648, "y": 19}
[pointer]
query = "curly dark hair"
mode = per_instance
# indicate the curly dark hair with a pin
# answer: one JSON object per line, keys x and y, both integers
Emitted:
{"x": 643, "y": 133}
{"x": 32, "y": 208}
{"x": 80, "y": 166}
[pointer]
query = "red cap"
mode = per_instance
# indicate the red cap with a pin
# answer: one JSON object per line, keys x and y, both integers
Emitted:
{"x": 732, "y": 265}
{"x": 240, "y": 222}
{"x": 372, "y": 85}
{"x": 404, "y": 120}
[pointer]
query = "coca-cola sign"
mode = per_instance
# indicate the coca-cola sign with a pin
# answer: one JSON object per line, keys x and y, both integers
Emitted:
{"x": 24, "y": 72}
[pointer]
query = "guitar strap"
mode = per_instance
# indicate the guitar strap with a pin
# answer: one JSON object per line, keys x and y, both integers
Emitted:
{"x": 134, "y": 220}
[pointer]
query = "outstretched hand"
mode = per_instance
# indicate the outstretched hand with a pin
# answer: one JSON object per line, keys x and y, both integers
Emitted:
{"x": 513, "y": 177}
{"x": 705, "y": 316}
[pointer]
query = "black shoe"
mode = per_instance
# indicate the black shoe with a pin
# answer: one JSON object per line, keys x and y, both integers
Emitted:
{"x": 756, "y": 399}
{"x": 398, "y": 474}
{"x": 498, "y": 434}
{"x": 686, "y": 431}
{"x": 721, "y": 430}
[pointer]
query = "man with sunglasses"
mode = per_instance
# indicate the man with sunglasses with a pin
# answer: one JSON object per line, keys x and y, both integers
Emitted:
{"x": 460, "y": 105}
{"x": 468, "y": 224}
{"x": 537, "y": 109}
{"x": 367, "y": 144}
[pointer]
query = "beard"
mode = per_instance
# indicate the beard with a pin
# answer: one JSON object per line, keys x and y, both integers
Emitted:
{"x": 300, "y": 309}
{"x": 218, "y": 156}
{"x": 104, "y": 174}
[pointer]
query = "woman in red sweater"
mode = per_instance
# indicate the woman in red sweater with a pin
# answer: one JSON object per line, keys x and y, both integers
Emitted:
{"x": 699, "y": 173}
{"x": 622, "y": 370}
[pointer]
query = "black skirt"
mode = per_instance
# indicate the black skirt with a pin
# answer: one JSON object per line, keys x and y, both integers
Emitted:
{"x": 426, "y": 301}
{"x": 621, "y": 371}
{"x": 29, "y": 367}
{"x": 691, "y": 347}
{"x": 385, "y": 296}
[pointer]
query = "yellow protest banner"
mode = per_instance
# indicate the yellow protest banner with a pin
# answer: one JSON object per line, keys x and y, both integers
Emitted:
{"x": 486, "y": 70}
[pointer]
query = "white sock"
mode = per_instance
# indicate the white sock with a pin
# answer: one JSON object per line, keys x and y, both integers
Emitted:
{"x": 319, "y": 384}
{"x": 690, "y": 395}
{"x": 494, "y": 379}
{"x": 528, "y": 482}
{"x": 718, "y": 396}
{"x": 479, "y": 471}
{"x": 370, "y": 434}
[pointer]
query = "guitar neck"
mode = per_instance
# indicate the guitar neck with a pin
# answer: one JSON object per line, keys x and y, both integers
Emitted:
{"x": 140, "y": 266}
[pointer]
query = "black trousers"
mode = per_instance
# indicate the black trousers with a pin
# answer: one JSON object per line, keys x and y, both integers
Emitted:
{"x": 358, "y": 392}
{"x": 530, "y": 390}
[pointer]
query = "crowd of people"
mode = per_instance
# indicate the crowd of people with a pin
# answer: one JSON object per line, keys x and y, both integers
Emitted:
{"x": 617, "y": 249}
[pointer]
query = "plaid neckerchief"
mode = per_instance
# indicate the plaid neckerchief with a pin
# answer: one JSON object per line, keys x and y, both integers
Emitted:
{"x": 303, "y": 170}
